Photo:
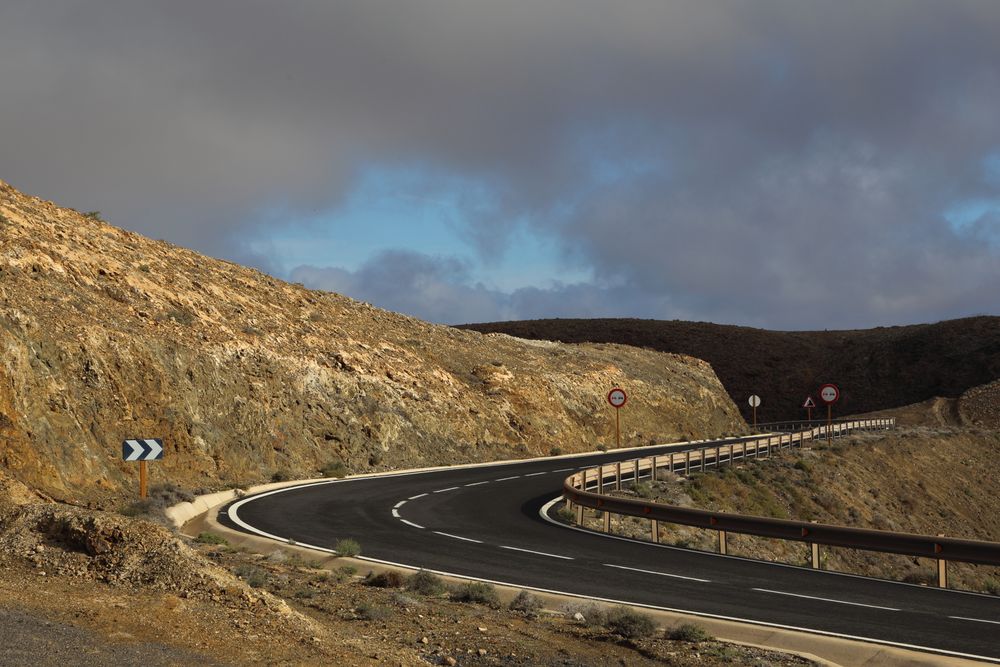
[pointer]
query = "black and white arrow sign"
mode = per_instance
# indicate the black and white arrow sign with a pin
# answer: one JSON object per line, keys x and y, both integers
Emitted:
{"x": 142, "y": 450}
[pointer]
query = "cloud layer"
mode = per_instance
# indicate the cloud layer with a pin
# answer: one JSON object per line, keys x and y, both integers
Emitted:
{"x": 776, "y": 163}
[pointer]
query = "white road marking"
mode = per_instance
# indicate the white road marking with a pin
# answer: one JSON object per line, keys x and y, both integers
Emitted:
{"x": 419, "y": 495}
{"x": 662, "y": 574}
{"x": 450, "y": 488}
{"x": 478, "y": 483}
{"x": 458, "y": 537}
{"x": 399, "y": 504}
{"x": 564, "y": 469}
{"x": 977, "y": 620}
{"x": 536, "y": 474}
{"x": 504, "y": 479}
{"x": 540, "y": 553}
{"x": 395, "y": 513}
{"x": 811, "y": 597}
{"x": 410, "y": 523}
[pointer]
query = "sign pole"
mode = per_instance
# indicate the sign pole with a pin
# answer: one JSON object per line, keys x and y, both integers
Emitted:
{"x": 755, "y": 417}
{"x": 809, "y": 414}
{"x": 618, "y": 428}
{"x": 143, "y": 474}
{"x": 829, "y": 423}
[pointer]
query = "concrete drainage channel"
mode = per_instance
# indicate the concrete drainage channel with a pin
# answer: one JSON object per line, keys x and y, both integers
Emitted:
{"x": 192, "y": 518}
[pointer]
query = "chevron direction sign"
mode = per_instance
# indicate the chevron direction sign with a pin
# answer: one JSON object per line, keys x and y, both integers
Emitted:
{"x": 142, "y": 450}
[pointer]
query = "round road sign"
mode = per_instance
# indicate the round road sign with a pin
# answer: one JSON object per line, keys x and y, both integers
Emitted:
{"x": 754, "y": 401}
{"x": 617, "y": 397}
{"x": 829, "y": 393}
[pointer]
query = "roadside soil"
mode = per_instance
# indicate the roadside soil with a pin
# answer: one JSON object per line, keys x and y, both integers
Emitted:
{"x": 925, "y": 480}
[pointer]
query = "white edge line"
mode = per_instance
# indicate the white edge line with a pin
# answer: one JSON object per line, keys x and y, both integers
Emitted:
{"x": 399, "y": 504}
{"x": 539, "y": 553}
{"x": 458, "y": 537}
{"x": 536, "y": 474}
{"x": 662, "y": 574}
{"x": 450, "y": 488}
{"x": 410, "y": 523}
{"x": 419, "y": 495}
{"x": 977, "y": 620}
{"x": 700, "y": 614}
{"x": 564, "y": 470}
{"x": 543, "y": 513}
{"x": 814, "y": 597}
{"x": 504, "y": 479}
{"x": 233, "y": 514}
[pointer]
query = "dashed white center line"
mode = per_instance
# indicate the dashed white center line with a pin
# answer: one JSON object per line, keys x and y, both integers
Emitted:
{"x": 812, "y": 597}
{"x": 478, "y": 483}
{"x": 977, "y": 620}
{"x": 450, "y": 488}
{"x": 662, "y": 574}
{"x": 410, "y": 523}
{"x": 458, "y": 537}
{"x": 419, "y": 495}
{"x": 536, "y": 474}
{"x": 539, "y": 553}
{"x": 395, "y": 513}
{"x": 504, "y": 479}
{"x": 399, "y": 504}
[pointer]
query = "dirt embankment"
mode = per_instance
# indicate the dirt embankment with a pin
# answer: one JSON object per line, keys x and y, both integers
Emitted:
{"x": 916, "y": 480}
{"x": 108, "y": 335}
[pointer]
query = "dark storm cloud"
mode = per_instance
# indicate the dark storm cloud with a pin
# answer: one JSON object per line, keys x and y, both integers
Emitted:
{"x": 785, "y": 163}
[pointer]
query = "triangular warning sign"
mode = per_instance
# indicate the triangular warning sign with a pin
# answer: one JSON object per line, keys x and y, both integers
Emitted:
{"x": 810, "y": 403}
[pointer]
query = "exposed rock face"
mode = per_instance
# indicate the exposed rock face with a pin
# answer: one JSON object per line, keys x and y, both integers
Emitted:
{"x": 106, "y": 335}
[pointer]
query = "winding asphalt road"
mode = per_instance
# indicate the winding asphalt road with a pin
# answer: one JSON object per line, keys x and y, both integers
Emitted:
{"x": 484, "y": 522}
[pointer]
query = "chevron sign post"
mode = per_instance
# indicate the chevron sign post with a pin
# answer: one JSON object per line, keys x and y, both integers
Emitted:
{"x": 149, "y": 449}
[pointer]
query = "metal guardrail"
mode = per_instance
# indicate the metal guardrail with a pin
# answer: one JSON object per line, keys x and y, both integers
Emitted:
{"x": 578, "y": 494}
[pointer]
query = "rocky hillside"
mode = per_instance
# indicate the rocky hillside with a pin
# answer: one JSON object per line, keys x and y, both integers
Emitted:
{"x": 876, "y": 369}
{"x": 108, "y": 335}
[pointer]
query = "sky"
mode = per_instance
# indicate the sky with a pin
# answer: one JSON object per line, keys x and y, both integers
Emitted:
{"x": 785, "y": 164}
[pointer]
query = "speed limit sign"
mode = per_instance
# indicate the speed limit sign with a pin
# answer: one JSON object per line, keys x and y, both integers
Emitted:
{"x": 617, "y": 397}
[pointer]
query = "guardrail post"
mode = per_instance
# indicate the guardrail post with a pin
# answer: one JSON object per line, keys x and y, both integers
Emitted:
{"x": 607, "y": 521}
{"x": 717, "y": 457}
{"x": 637, "y": 471}
{"x": 942, "y": 567}
{"x": 618, "y": 475}
{"x": 654, "y": 528}
{"x": 652, "y": 470}
{"x": 687, "y": 462}
{"x": 579, "y": 514}
{"x": 600, "y": 479}
{"x": 723, "y": 547}
{"x": 701, "y": 459}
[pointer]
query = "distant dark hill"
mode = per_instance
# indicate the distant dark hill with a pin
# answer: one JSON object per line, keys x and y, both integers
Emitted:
{"x": 875, "y": 368}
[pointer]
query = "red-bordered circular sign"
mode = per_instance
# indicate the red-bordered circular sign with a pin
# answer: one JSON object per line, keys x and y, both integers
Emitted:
{"x": 617, "y": 397}
{"x": 829, "y": 393}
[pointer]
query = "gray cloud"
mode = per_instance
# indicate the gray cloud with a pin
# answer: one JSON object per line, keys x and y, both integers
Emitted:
{"x": 777, "y": 163}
